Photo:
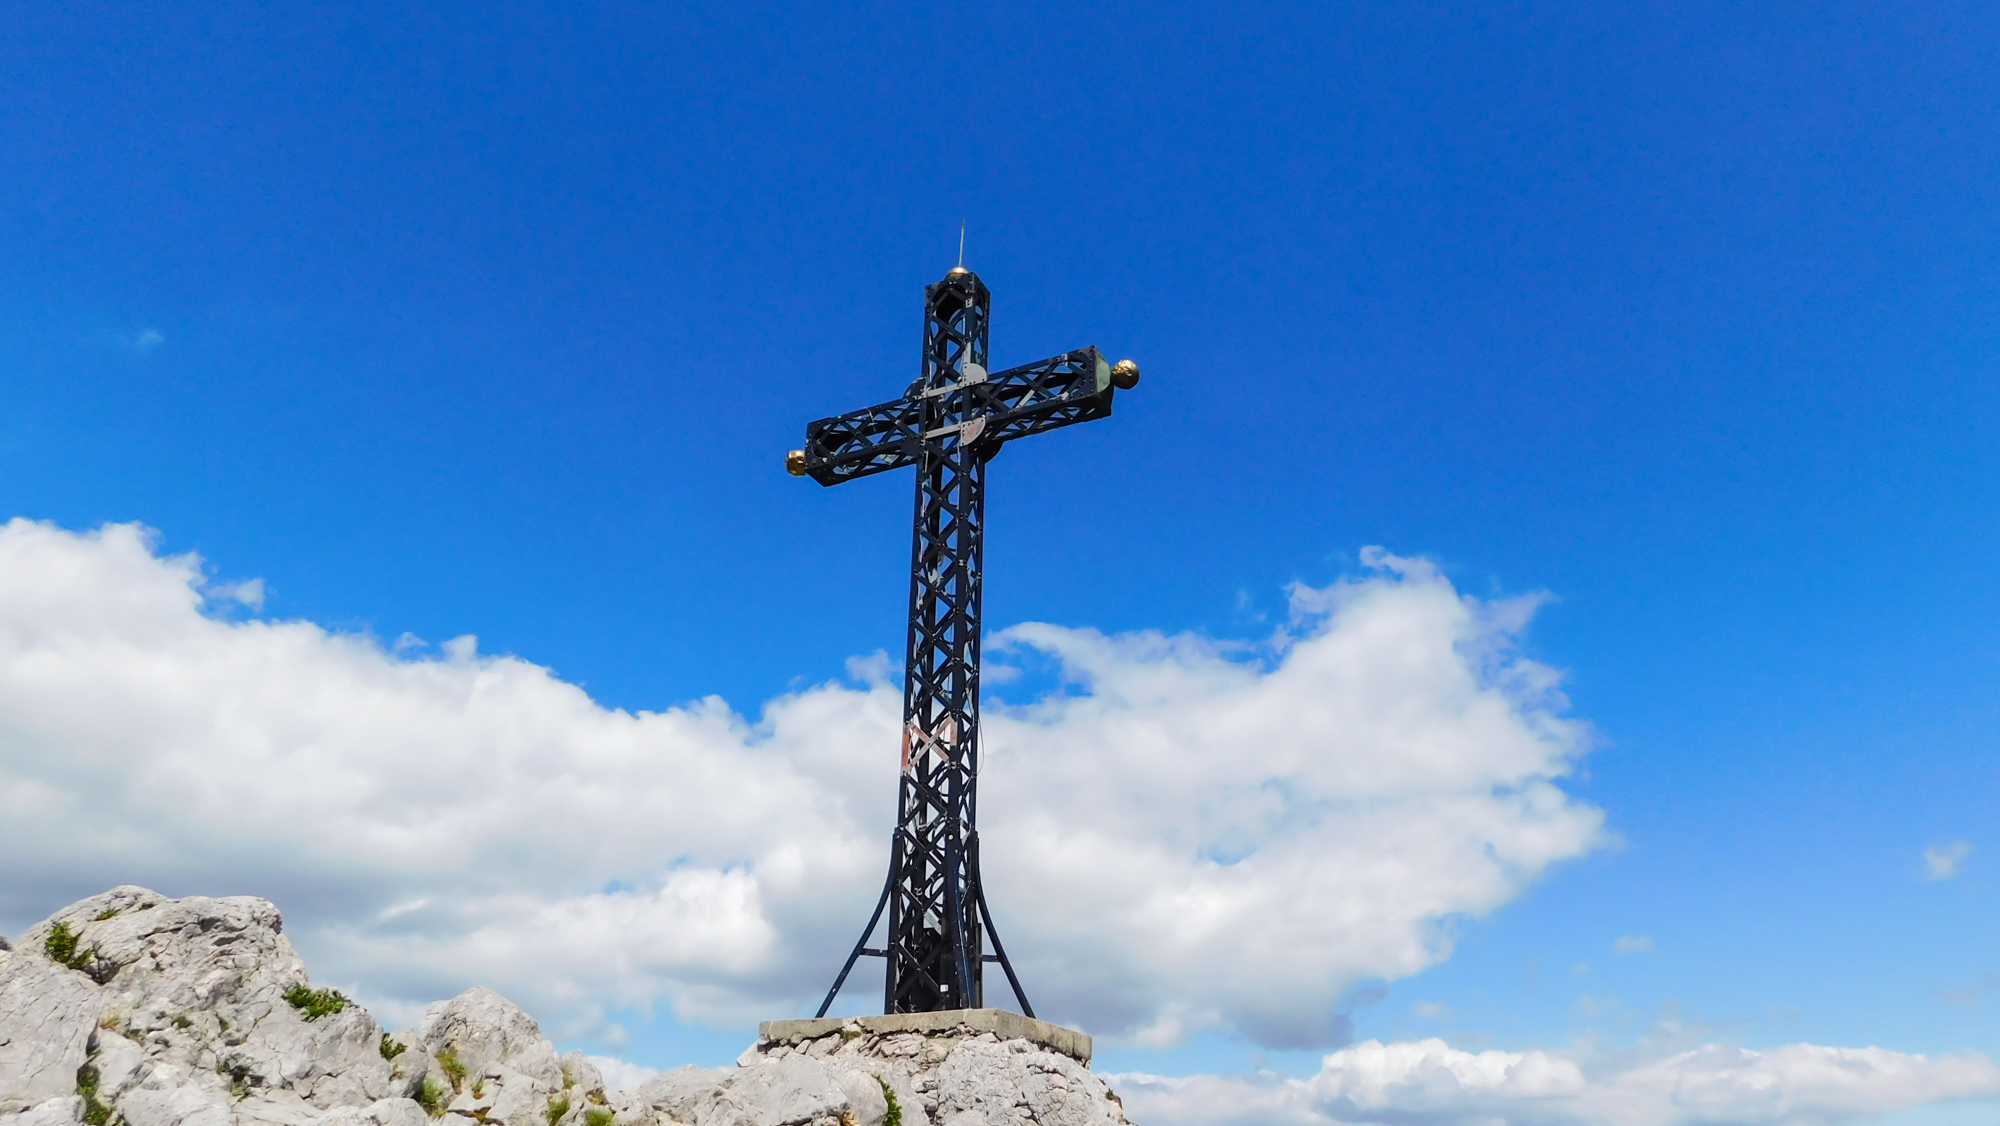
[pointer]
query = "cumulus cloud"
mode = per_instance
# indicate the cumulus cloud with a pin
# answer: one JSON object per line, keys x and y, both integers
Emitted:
{"x": 1188, "y": 835}
{"x": 620, "y": 1075}
{"x": 1430, "y": 1083}
{"x": 1941, "y": 861}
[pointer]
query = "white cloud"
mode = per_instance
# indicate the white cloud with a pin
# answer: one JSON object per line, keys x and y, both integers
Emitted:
{"x": 1429, "y": 1083}
{"x": 620, "y": 1075}
{"x": 1941, "y": 861}
{"x": 1194, "y": 837}
{"x": 1632, "y": 944}
{"x": 249, "y": 592}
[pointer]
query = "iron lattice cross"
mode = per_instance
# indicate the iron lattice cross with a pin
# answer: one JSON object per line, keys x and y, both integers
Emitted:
{"x": 949, "y": 424}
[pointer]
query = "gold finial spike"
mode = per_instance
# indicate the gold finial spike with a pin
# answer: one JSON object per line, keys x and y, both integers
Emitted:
{"x": 795, "y": 462}
{"x": 960, "y": 270}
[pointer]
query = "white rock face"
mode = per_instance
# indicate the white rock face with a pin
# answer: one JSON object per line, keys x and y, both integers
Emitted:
{"x": 952, "y": 1077}
{"x": 130, "y": 1008}
{"x": 47, "y": 1013}
{"x": 172, "y": 1012}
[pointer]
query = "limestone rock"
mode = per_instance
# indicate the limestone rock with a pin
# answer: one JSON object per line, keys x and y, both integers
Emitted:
{"x": 488, "y": 1032}
{"x": 47, "y": 1016}
{"x": 675, "y": 1093}
{"x": 496, "y": 1064}
{"x": 173, "y": 1012}
{"x": 946, "y": 1077}
{"x": 786, "y": 1092}
{"x": 65, "y": 1111}
{"x": 983, "y": 1083}
{"x": 148, "y": 1011}
{"x": 580, "y": 1073}
{"x": 180, "y": 1106}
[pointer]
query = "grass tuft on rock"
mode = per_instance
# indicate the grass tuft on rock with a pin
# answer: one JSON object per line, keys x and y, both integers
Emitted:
{"x": 894, "y": 1117}
{"x": 63, "y": 946}
{"x": 95, "y": 1113}
{"x": 315, "y": 1003}
{"x": 391, "y": 1049}
{"x": 431, "y": 1097}
{"x": 558, "y": 1106}
{"x": 107, "y": 913}
{"x": 453, "y": 1067}
{"x": 598, "y": 1116}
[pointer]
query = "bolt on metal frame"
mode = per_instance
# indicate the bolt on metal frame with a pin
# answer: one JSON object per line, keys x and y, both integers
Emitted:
{"x": 949, "y": 424}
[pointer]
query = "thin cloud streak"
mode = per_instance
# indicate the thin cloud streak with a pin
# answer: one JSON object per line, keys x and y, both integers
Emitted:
{"x": 1941, "y": 861}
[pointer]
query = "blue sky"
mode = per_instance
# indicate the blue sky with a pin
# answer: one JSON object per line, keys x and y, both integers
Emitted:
{"x": 498, "y": 319}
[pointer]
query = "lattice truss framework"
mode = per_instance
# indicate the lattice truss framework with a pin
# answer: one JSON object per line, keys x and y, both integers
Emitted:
{"x": 949, "y": 424}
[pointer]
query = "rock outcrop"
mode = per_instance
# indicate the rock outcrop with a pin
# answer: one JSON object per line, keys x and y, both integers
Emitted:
{"x": 165, "y": 1011}
{"x": 951, "y": 1076}
{"x": 132, "y": 1009}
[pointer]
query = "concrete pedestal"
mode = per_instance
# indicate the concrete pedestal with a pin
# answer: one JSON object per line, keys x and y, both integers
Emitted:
{"x": 1004, "y": 1025}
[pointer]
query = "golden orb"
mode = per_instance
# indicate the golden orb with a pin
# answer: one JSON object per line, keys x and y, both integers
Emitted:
{"x": 957, "y": 271}
{"x": 795, "y": 462}
{"x": 1125, "y": 375}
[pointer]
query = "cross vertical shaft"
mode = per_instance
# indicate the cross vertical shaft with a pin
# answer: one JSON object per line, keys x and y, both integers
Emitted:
{"x": 934, "y": 948}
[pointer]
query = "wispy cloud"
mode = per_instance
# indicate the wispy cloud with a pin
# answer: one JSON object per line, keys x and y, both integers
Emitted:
{"x": 1632, "y": 944}
{"x": 1967, "y": 994}
{"x": 1941, "y": 861}
{"x": 249, "y": 592}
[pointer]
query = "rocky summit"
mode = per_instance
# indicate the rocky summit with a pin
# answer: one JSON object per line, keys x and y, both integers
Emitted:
{"x": 132, "y": 1009}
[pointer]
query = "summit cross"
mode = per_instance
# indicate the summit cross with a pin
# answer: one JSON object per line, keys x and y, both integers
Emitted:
{"x": 948, "y": 425}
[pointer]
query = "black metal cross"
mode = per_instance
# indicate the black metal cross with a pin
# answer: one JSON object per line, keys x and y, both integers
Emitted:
{"x": 949, "y": 424}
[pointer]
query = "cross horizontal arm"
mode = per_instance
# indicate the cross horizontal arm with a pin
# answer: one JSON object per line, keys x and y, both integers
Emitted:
{"x": 1045, "y": 395}
{"x": 865, "y": 442}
